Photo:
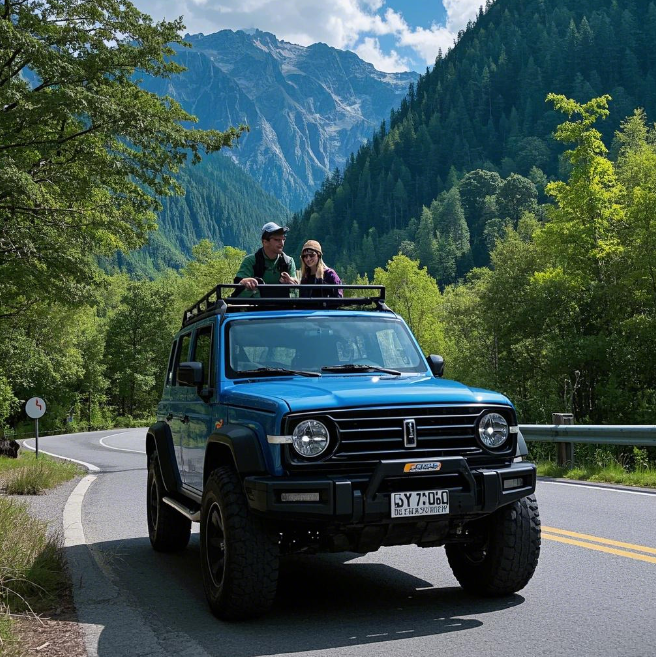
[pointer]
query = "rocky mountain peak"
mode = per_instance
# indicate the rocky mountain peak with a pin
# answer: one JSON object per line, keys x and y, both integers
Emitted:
{"x": 308, "y": 108}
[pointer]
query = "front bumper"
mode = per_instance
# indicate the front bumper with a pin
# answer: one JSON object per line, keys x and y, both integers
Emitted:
{"x": 472, "y": 492}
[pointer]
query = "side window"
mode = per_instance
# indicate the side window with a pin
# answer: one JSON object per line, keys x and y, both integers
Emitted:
{"x": 203, "y": 354}
{"x": 182, "y": 353}
{"x": 169, "y": 371}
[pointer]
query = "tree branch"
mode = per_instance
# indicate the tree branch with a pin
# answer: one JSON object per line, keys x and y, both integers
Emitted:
{"x": 59, "y": 142}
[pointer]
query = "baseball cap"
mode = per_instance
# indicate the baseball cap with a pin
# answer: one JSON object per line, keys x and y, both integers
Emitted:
{"x": 273, "y": 227}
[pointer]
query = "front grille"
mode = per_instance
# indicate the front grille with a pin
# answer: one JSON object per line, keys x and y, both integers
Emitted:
{"x": 376, "y": 433}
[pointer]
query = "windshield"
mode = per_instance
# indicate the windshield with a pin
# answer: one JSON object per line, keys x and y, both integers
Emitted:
{"x": 309, "y": 344}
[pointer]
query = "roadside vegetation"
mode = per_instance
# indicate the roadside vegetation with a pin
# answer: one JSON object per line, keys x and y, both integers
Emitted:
{"x": 627, "y": 466}
{"x": 28, "y": 475}
{"x": 32, "y": 569}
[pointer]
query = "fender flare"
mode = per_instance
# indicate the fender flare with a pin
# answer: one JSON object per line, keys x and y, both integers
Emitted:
{"x": 244, "y": 446}
{"x": 162, "y": 441}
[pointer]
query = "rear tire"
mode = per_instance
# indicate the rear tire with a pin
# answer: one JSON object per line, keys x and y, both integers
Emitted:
{"x": 504, "y": 562}
{"x": 168, "y": 530}
{"x": 239, "y": 555}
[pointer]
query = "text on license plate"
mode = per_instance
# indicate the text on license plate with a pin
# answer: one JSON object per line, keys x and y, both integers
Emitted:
{"x": 420, "y": 503}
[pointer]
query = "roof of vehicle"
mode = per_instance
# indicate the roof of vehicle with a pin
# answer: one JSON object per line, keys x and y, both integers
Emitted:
{"x": 217, "y": 302}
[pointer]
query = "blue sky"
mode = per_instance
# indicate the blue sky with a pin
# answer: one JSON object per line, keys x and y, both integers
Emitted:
{"x": 394, "y": 35}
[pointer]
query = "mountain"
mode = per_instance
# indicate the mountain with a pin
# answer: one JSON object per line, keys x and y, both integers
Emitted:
{"x": 222, "y": 203}
{"x": 482, "y": 107}
{"x": 308, "y": 108}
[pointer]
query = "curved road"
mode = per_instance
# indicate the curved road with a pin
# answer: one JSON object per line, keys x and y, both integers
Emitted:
{"x": 594, "y": 592}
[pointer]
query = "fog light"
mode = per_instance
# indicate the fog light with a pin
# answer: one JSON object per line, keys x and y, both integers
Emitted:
{"x": 299, "y": 497}
{"x": 513, "y": 483}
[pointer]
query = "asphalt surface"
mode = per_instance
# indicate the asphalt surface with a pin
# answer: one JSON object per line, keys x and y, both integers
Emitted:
{"x": 594, "y": 591}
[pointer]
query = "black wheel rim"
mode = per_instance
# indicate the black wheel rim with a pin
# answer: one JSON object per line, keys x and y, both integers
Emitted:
{"x": 154, "y": 503}
{"x": 215, "y": 544}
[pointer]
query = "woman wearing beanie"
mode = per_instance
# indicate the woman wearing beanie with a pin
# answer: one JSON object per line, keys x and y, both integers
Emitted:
{"x": 315, "y": 272}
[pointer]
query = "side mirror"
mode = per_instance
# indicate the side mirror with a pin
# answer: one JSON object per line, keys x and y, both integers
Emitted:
{"x": 436, "y": 364}
{"x": 190, "y": 374}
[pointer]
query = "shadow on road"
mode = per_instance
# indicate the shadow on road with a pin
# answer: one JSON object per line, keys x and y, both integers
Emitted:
{"x": 323, "y": 602}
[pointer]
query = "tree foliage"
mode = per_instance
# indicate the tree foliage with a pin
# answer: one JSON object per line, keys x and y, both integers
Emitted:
{"x": 84, "y": 151}
{"x": 564, "y": 319}
{"x": 482, "y": 108}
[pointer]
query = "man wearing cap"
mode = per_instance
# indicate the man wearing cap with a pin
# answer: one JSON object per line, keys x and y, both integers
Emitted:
{"x": 268, "y": 265}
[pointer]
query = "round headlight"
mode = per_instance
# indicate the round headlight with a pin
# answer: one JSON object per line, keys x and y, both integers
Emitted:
{"x": 493, "y": 430}
{"x": 310, "y": 438}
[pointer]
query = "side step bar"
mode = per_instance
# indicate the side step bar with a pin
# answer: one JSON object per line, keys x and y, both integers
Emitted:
{"x": 194, "y": 516}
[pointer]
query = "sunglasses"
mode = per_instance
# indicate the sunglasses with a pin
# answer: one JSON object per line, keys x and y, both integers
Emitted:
{"x": 308, "y": 254}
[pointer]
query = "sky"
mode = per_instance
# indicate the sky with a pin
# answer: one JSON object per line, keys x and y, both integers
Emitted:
{"x": 393, "y": 35}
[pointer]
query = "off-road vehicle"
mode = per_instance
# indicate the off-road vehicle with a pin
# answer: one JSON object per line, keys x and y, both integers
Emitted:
{"x": 317, "y": 425}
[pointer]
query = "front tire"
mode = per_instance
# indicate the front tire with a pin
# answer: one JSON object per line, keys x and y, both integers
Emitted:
{"x": 239, "y": 556}
{"x": 504, "y": 560}
{"x": 168, "y": 530}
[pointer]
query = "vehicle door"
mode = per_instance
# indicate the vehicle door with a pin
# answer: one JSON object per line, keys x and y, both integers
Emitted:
{"x": 199, "y": 410}
{"x": 179, "y": 396}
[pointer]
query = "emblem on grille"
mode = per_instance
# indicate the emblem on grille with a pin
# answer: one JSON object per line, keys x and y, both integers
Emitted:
{"x": 409, "y": 433}
{"x": 436, "y": 466}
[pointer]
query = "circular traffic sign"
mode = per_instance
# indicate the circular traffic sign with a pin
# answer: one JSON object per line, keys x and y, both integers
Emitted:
{"x": 35, "y": 407}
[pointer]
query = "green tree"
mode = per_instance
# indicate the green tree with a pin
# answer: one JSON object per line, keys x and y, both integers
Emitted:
{"x": 84, "y": 152}
{"x": 516, "y": 195}
{"x": 139, "y": 337}
{"x": 411, "y": 292}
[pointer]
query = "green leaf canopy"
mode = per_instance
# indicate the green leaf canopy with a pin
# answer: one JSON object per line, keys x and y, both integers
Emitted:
{"x": 84, "y": 152}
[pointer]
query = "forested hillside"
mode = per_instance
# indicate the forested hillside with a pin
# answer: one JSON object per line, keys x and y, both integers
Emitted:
{"x": 221, "y": 203}
{"x": 482, "y": 107}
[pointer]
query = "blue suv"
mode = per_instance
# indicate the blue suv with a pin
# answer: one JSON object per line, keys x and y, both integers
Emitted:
{"x": 317, "y": 425}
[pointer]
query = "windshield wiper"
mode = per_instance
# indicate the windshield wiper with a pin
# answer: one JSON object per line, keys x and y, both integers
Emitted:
{"x": 276, "y": 370}
{"x": 353, "y": 367}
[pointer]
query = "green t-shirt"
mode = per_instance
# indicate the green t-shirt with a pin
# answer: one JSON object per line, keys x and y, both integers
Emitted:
{"x": 271, "y": 274}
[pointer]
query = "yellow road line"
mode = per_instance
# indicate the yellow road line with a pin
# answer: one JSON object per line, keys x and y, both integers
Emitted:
{"x": 600, "y": 548}
{"x": 596, "y": 539}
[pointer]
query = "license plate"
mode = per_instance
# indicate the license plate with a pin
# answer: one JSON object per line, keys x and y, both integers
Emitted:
{"x": 420, "y": 503}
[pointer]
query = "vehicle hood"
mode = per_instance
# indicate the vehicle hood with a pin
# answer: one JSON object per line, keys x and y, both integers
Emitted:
{"x": 330, "y": 392}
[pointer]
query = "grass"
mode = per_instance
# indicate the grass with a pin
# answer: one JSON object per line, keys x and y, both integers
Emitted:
{"x": 611, "y": 473}
{"x": 31, "y": 561}
{"x": 28, "y": 475}
{"x": 32, "y": 568}
{"x": 8, "y": 642}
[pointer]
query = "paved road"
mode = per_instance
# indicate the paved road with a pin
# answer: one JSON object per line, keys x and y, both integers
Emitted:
{"x": 594, "y": 592}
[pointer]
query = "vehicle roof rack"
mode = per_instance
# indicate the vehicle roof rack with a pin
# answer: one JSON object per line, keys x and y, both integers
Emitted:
{"x": 221, "y": 299}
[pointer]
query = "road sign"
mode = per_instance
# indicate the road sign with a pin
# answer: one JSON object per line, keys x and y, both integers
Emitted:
{"x": 35, "y": 407}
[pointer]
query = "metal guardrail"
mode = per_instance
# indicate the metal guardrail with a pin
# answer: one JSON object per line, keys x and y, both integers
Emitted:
{"x": 643, "y": 435}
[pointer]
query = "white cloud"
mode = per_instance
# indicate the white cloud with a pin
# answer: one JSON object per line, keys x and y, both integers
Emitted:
{"x": 370, "y": 51}
{"x": 459, "y": 12}
{"x": 356, "y": 25}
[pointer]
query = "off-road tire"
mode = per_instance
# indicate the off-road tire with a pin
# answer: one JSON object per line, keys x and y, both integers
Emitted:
{"x": 506, "y": 560}
{"x": 239, "y": 555}
{"x": 168, "y": 530}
